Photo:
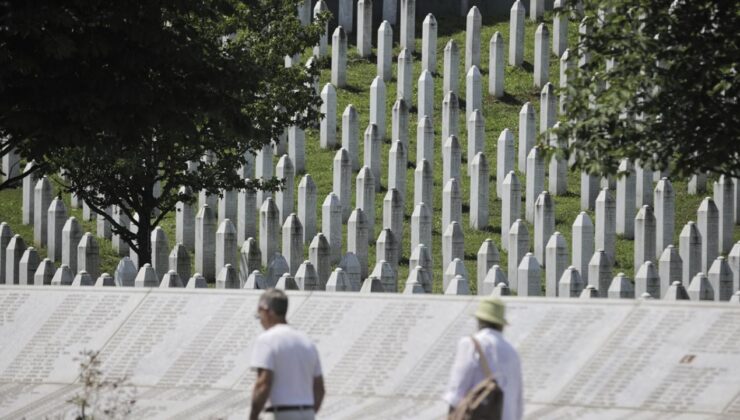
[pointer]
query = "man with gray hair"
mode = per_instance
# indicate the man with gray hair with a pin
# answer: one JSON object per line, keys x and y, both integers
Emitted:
{"x": 287, "y": 363}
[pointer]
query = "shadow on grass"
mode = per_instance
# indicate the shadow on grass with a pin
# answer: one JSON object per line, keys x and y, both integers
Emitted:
{"x": 352, "y": 89}
{"x": 570, "y": 194}
{"x": 491, "y": 229}
{"x": 510, "y": 99}
{"x": 450, "y": 24}
{"x": 370, "y": 59}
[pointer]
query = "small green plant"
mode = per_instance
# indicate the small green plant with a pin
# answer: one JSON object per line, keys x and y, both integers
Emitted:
{"x": 101, "y": 398}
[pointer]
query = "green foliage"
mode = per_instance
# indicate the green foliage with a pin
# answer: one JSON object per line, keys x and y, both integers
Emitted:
{"x": 657, "y": 80}
{"x": 121, "y": 96}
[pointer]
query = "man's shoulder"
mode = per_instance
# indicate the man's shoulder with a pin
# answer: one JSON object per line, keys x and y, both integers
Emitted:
{"x": 496, "y": 338}
{"x": 271, "y": 334}
{"x": 285, "y": 332}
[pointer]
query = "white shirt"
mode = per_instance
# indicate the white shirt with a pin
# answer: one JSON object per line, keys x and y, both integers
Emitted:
{"x": 294, "y": 362}
{"x": 504, "y": 362}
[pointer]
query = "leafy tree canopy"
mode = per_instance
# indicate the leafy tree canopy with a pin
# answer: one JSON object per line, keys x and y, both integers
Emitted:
{"x": 122, "y": 96}
{"x": 655, "y": 81}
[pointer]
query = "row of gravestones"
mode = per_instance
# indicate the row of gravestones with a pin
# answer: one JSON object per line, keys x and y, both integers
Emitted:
{"x": 451, "y": 203}
{"x": 22, "y": 267}
{"x": 627, "y": 187}
{"x": 79, "y": 253}
{"x": 407, "y": 8}
{"x": 694, "y": 255}
{"x": 542, "y": 50}
{"x": 477, "y": 164}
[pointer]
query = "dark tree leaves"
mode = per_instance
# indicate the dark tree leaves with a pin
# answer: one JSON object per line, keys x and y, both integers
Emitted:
{"x": 660, "y": 86}
{"x": 120, "y": 96}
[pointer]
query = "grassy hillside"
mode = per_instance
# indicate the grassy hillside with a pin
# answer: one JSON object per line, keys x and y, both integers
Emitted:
{"x": 499, "y": 114}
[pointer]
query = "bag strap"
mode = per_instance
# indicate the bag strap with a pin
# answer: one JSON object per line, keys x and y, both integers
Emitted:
{"x": 482, "y": 358}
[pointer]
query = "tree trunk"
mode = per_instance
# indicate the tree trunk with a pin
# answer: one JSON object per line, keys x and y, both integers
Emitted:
{"x": 144, "y": 238}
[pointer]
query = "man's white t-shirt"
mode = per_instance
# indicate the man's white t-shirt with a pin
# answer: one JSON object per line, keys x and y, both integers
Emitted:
{"x": 294, "y": 362}
{"x": 466, "y": 371}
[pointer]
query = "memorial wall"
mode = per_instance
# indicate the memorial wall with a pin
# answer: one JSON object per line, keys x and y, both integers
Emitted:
{"x": 384, "y": 356}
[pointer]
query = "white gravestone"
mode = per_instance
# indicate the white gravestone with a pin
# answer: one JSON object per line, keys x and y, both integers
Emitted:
{"x": 476, "y": 135}
{"x": 556, "y": 262}
{"x": 605, "y": 226}
{"x": 644, "y": 236}
{"x": 328, "y": 125}
{"x": 583, "y": 244}
{"x": 429, "y": 44}
{"x": 307, "y": 207}
{"x": 357, "y": 239}
{"x": 377, "y": 105}
{"x": 541, "y": 56}
{"x": 451, "y": 203}
{"x": 479, "y": 192}
{"x": 351, "y": 135}
{"x": 472, "y": 39}
{"x": 647, "y": 280}
{"x": 425, "y": 89}
{"x": 365, "y": 198}
{"x": 404, "y": 75}
{"x": 516, "y": 34}
{"x": 690, "y": 250}
{"x": 385, "y": 51}
{"x": 518, "y": 247}
{"x": 342, "y": 185}
{"x": 371, "y": 152}
{"x": 496, "y": 65}
{"x": 665, "y": 213}
{"x": 269, "y": 231}
{"x": 331, "y": 225}
{"x": 364, "y": 27}
{"x": 544, "y": 224}
{"x": 535, "y": 181}
{"x": 450, "y": 68}
{"x": 473, "y": 91}
{"x": 408, "y": 24}
{"x": 708, "y": 223}
{"x": 527, "y": 134}
{"x": 626, "y": 190}
{"x": 511, "y": 202}
{"x": 339, "y": 57}
{"x": 505, "y": 158}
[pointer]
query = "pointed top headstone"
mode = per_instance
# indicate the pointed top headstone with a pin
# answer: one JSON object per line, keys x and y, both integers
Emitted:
{"x": 146, "y": 277}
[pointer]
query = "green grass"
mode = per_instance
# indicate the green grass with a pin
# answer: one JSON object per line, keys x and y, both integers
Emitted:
{"x": 499, "y": 114}
{"x": 10, "y": 212}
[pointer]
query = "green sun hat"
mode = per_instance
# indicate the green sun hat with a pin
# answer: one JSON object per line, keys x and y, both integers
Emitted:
{"x": 492, "y": 310}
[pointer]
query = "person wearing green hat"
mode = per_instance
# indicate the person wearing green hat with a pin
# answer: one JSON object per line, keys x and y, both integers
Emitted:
{"x": 503, "y": 360}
